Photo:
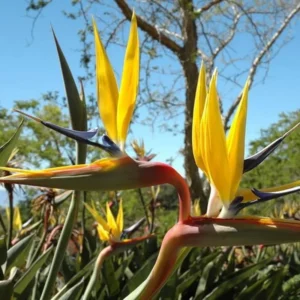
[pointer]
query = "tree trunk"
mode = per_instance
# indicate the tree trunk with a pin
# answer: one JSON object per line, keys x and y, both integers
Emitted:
{"x": 187, "y": 58}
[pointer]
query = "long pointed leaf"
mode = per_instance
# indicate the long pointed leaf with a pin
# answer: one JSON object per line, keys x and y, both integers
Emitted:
{"x": 16, "y": 255}
{"x": 7, "y": 286}
{"x": 234, "y": 280}
{"x": 8, "y": 147}
{"x": 74, "y": 292}
{"x": 24, "y": 281}
{"x": 76, "y": 107}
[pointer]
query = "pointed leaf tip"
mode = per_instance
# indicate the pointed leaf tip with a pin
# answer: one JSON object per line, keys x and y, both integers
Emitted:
{"x": 7, "y": 149}
{"x": 129, "y": 83}
{"x": 76, "y": 108}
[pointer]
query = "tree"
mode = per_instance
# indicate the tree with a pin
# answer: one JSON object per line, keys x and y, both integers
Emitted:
{"x": 283, "y": 165}
{"x": 176, "y": 36}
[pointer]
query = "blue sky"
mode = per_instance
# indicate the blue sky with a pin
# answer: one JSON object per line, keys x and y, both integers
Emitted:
{"x": 30, "y": 67}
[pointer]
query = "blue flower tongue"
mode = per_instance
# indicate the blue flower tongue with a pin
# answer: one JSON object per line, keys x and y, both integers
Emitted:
{"x": 256, "y": 159}
{"x": 109, "y": 144}
{"x": 236, "y": 205}
{"x": 130, "y": 230}
{"x": 265, "y": 196}
{"x": 81, "y": 136}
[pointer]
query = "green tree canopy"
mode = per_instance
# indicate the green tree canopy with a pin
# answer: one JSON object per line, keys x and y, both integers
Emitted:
{"x": 283, "y": 165}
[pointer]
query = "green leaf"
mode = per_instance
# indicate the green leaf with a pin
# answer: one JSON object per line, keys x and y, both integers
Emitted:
{"x": 16, "y": 255}
{"x": 274, "y": 285}
{"x": 144, "y": 271}
{"x": 119, "y": 273}
{"x": 76, "y": 105}
{"x": 292, "y": 285}
{"x": 24, "y": 281}
{"x": 252, "y": 290}
{"x": 74, "y": 292}
{"x": 61, "y": 198}
{"x": 186, "y": 283}
{"x": 3, "y": 255}
{"x": 204, "y": 282}
{"x": 8, "y": 147}
{"x": 6, "y": 289}
{"x": 136, "y": 283}
{"x": 235, "y": 279}
{"x": 7, "y": 286}
{"x": 110, "y": 278}
{"x": 82, "y": 273}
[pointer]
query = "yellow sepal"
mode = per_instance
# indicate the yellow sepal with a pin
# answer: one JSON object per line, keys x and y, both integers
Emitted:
{"x": 107, "y": 89}
{"x": 97, "y": 216}
{"x": 213, "y": 143}
{"x": 129, "y": 83}
{"x": 197, "y": 116}
{"x": 120, "y": 217}
{"x": 236, "y": 143}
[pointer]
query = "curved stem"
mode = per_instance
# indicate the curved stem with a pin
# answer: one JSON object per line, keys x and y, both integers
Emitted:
{"x": 164, "y": 265}
{"x": 160, "y": 173}
{"x": 213, "y": 232}
{"x": 105, "y": 253}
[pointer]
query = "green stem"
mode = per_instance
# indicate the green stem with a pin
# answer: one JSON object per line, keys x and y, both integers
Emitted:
{"x": 144, "y": 207}
{"x": 39, "y": 247}
{"x": 61, "y": 246}
{"x": 3, "y": 225}
{"x": 105, "y": 253}
{"x": 11, "y": 217}
{"x": 35, "y": 287}
{"x": 66, "y": 232}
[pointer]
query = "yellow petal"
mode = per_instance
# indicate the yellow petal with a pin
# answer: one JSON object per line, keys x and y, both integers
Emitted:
{"x": 236, "y": 143}
{"x": 197, "y": 116}
{"x": 103, "y": 234}
{"x": 120, "y": 217}
{"x": 129, "y": 83}
{"x": 249, "y": 196}
{"x": 107, "y": 89}
{"x": 17, "y": 219}
{"x": 213, "y": 143}
{"x": 112, "y": 223}
{"x": 196, "y": 208}
{"x": 97, "y": 216}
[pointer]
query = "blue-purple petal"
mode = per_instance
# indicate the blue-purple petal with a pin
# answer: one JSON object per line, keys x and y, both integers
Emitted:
{"x": 264, "y": 196}
{"x": 256, "y": 159}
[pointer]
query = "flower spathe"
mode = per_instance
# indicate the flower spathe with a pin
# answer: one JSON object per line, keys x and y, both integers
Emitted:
{"x": 111, "y": 229}
{"x": 116, "y": 105}
{"x": 220, "y": 159}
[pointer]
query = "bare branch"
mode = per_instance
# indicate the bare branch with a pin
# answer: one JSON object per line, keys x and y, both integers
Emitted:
{"x": 150, "y": 29}
{"x": 229, "y": 38}
{"x": 258, "y": 59}
{"x": 207, "y": 6}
